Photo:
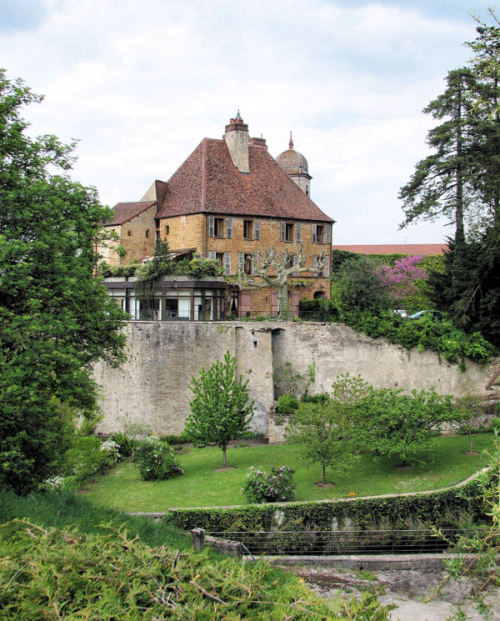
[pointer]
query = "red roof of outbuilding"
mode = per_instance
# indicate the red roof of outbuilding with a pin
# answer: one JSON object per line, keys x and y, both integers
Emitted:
{"x": 410, "y": 249}
{"x": 123, "y": 212}
{"x": 209, "y": 182}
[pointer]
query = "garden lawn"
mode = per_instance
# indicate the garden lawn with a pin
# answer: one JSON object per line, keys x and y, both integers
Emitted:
{"x": 202, "y": 485}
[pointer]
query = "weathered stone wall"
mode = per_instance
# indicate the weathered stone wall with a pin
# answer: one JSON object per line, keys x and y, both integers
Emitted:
{"x": 152, "y": 388}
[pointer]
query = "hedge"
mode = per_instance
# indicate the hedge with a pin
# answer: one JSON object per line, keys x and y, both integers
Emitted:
{"x": 443, "y": 509}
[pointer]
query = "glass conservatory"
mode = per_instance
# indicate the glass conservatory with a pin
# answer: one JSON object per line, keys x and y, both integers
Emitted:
{"x": 175, "y": 298}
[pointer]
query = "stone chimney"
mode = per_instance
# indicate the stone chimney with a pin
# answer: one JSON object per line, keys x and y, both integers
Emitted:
{"x": 236, "y": 137}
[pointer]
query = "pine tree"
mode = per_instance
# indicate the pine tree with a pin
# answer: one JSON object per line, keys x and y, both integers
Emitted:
{"x": 441, "y": 182}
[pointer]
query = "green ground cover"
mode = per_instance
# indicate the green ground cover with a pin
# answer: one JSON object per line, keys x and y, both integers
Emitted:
{"x": 204, "y": 485}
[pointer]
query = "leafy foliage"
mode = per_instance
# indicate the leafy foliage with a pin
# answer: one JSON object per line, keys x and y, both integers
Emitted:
{"x": 115, "y": 576}
{"x": 324, "y": 435}
{"x": 276, "y": 486}
{"x": 444, "y": 509}
{"x": 401, "y": 426}
{"x": 452, "y": 343}
{"x": 286, "y": 404}
{"x": 360, "y": 286}
{"x": 220, "y": 410}
{"x": 156, "y": 460}
{"x": 56, "y": 319}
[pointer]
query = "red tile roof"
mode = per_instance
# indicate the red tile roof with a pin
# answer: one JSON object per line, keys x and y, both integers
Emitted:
{"x": 123, "y": 212}
{"x": 208, "y": 182}
{"x": 409, "y": 249}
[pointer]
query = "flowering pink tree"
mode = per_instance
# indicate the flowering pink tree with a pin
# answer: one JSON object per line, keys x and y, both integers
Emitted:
{"x": 401, "y": 280}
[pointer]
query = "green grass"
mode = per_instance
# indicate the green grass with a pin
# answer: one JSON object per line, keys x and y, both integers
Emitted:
{"x": 202, "y": 485}
{"x": 66, "y": 510}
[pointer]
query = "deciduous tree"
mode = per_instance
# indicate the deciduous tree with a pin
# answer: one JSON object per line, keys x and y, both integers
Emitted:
{"x": 221, "y": 410}
{"x": 56, "y": 319}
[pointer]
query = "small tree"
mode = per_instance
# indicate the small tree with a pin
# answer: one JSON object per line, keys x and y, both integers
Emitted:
{"x": 401, "y": 426}
{"x": 220, "y": 410}
{"x": 359, "y": 286}
{"x": 324, "y": 435}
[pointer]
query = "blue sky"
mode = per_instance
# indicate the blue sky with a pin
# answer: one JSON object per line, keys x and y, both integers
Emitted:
{"x": 141, "y": 83}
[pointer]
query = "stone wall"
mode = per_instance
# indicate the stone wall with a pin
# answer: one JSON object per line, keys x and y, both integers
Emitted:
{"x": 152, "y": 388}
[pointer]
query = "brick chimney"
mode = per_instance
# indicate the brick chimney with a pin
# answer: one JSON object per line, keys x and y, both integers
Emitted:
{"x": 236, "y": 137}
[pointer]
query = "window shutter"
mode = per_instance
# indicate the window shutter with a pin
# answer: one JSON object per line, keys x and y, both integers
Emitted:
{"x": 211, "y": 255}
{"x": 241, "y": 262}
{"x": 315, "y": 262}
{"x": 327, "y": 267}
{"x": 257, "y": 229}
{"x": 227, "y": 263}
{"x": 256, "y": 259}
{"x": 328, "y": 233}
{"x": 314, "y": 233}
{"x": 299, "y": 232}
{"x": 210, "y": 226}
{"x": 229, "y": 228}
{"x": 283, "y": 231}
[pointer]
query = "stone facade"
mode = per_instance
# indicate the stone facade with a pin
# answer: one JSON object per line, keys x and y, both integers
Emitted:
{"x": 228, "y": 200}
{"x": 152, "y": 388}
{"x": 137, "y": 237}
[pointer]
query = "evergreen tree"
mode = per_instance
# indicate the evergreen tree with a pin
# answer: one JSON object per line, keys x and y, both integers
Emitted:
{"x": 485, "y": 117}
{"x": 56, "y": 319}
{"x": 441, "y": 184}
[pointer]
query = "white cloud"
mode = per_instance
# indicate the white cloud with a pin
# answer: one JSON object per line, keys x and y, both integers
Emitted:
{"x": 142, "y": 83}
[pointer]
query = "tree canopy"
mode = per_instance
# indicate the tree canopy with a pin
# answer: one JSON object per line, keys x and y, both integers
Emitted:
{"x": 221, "y": 410}
{"x": 56, "y": 319}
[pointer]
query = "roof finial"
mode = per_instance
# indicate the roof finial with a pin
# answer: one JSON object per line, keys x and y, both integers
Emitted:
{"x": 290, "y": 144}
{"x": 238, "y": 116}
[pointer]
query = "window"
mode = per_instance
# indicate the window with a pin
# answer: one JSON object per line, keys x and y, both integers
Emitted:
{"x": 219, "y": 227}
{"x": 320, "y": 233}
{"x": 286, "y": 231}
{"x": 245, "y": 262}
{"x": 129, "y": 233}
{"x": 167, "y": 229}
{"x": 219, "y": 256}
{"x": 248, "y": 264}
{"x": 147, "y": 233}
{"x": 319, "y": 273}
{"x": 248, "y": 229}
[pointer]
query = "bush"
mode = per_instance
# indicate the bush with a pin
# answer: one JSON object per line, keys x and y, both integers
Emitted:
{"x": 320, "y": 397}
{"x": 287, "y": 404}
{"x": 125, "y": 443}
{"x": 156, "y": 460}
{"x": 274, "y": 487}
{"x": 88, "y": 457}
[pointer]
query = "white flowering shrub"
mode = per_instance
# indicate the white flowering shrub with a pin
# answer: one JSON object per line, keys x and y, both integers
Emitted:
{"x": 156, "y": 460}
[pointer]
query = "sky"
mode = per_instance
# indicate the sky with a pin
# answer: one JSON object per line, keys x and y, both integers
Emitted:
{"x": 141, "y": 83}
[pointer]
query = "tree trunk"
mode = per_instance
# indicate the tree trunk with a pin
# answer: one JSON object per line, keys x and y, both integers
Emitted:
{"x": 224, "y": 455}
{"x": 324, "y": 473}
{"x": 283, "y": 298}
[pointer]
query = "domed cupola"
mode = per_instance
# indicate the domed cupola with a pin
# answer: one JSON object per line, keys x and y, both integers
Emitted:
{"x": 296, "y": 167}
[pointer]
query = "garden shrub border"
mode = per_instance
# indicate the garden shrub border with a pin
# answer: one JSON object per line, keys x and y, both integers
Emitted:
{"x": 446, "y": 508}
